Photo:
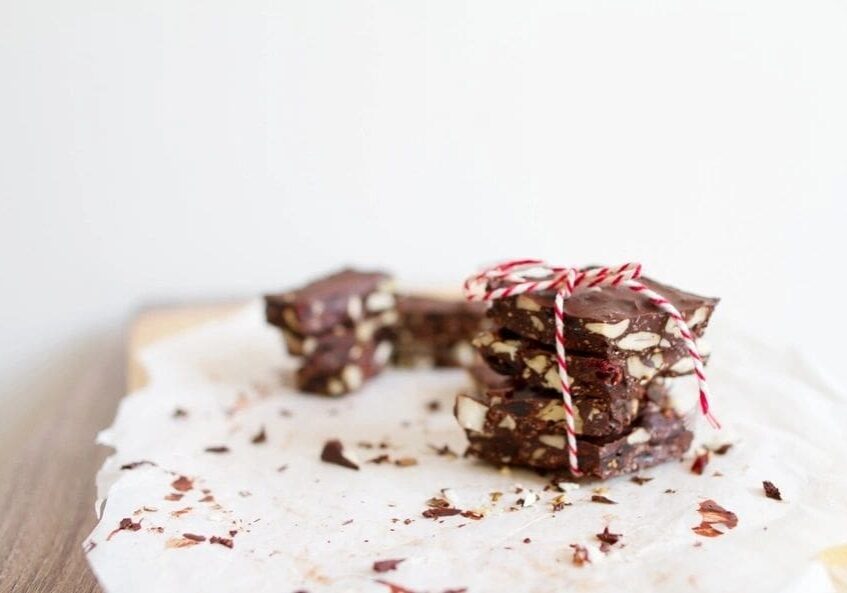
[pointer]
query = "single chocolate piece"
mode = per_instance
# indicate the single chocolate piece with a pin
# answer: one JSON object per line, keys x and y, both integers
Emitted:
{"x": 606, "y": 321}
{"x": 614, "y": 377}
{"x": 342, "y": 298}
{"x": 515, "y": 436}
{"x": 436, "y": 331}
{"x": 341, "y": 366}
{"x": 544, "y": 414}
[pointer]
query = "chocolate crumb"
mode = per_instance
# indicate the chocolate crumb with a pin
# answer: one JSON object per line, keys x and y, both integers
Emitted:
{"x": 333, "y": 452}
{"x": 380, "y": 459}
{"x": 260, "y": 437}
{"x": 134, "y": 464}
{"x": 706, "y": 530}
{"x": 607, "y": 537}
{"x": 526, "y": 540}
{"x": 601, "y": 499}
{"x": 126, "y": 524}
{"x": 444, "y": 451}
{"x": 282, "y": 468}
{"x": 580, "y": 555}
{"x": 217, "y": 449}
{"x": 223, "y": 541}
{"x": 285, "y": 413}
{"x": 436, "y": 512}
{"x": 405, "y": 462}
{"x": 407, "y": 521}
{"x": 771, "y": 491}
{"x": 472, "y": 515}
{"x": 433, "y": 406}
{"x": 182, "y": 484}
{"x": 393, "y": 588}
{"x": 179, "y": 413}
{"x": 670, "y": 491}
{"x": 700, "y": 463}
{"x": 173, "y": 496}
{"x": 640, "y": 480}
{"x": 722, "y": 450}
{"x": 193, "y": 537}
{"x": 207, "y": 498}
{"x": 386, "y": 565}
{"x": 347, "y": 522}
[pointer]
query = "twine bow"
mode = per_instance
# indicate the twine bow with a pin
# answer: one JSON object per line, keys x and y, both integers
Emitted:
{"x": 522, "y": 276}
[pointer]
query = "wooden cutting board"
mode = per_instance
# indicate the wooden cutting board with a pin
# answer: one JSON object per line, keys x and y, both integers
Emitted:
{"x": 48, "y": 465}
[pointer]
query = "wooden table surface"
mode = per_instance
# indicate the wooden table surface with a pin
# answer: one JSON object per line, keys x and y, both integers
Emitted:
{"x": 47, "y": 472}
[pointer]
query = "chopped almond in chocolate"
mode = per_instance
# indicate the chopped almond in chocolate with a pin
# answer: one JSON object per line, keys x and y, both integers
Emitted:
{"x": 386, "y": 565}
{"x": 700, "y": 462}
{"x": 333, "y": 452}
{"x": 771, "y": 491}
{"x": 580, "y": 555}
{"x": 260, "y": 437}
{"x": 182, "y": 484}
{"x": 601, "y": 499}
{"x": 217, "y": 449}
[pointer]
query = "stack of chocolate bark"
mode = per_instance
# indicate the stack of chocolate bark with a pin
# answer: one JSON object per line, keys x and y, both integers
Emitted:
{"x": 436, "y": 331}
{"x": 341, "y": 325}
{"x": 621, "y": 350}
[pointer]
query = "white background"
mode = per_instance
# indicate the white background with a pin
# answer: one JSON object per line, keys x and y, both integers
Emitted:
{"x": 164, "y": 151}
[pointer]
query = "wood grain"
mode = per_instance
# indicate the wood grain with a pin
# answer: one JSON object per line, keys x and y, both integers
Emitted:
{"x": 47, "y": 488}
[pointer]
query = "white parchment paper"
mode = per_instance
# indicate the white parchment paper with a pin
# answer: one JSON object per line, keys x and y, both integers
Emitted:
{"x": 300, "y": 524}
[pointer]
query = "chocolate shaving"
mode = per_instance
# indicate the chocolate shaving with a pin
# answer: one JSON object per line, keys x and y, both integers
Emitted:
{"x": 443, "y": 451}
{"x": 435, "y": 513}
{"x": 333, "y": 452}
{"x": 260, "y": 437}
{"x": 580, "y": 555}
{"x": 386, "y": 565}
{"x": 223, "y": 541}
{"x": 135, "y": 464}
{"x": 601, "y": 499}
{"x": 700, "y": 463}
{"x": 608, "y": 537}
{"x": 393, "y": 588}
{"x": 193, "y": 537}
{"x": 182, "y": 484}
{"x": 217, "y": 449}
{"x": 771, "y": 491}
{"x": 640, "y": 480}
{"x": 706, "y": 530}
{"x": 126, "y": 524}
{"x": 722, "y": 450}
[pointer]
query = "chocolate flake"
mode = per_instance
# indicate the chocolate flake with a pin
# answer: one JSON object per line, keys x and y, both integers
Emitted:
{"x": 217, "y": 449}
{"x": 437, "y": 512}
{"x": 207, "y": 498}
{"x": 126, "y": 524}
{"x": 476, "y": 516}
{"x": 706, "y": 530}
{"x": 282, "y": 468}
{"x": 181, "y": 512}
{"x": 380, "y": 459}
{"x": 182, "y": 484}
{"x": 700, "y": 463}
{"x": 771, "y": 491}
{"x": 260, "y": 437}
{"x": 640, "y": 480}
{"x": 333, "y": 452}
{"x": 580, "y": 555}
{"x": 601, "y": 499}
{"x": 134, "y": 464}
{"x": 712, "y": 512}
{"x": 223, "y": 541}
{"x": 670, "y": 491}
{"x": 405, "y": 462}
{"x": 386, "y": 565}
{"x": 393, "y": 588}
{"x": 608, "y": 537}
{"x": 444, "y": 451}
{"x": 173, "y": 496}
{"x": 723, "y": 449}
{"x": 193, "y": 537}
{"x": 348, "y": 521}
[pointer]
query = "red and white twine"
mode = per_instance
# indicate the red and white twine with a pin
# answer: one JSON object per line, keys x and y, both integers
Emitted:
{"x": 532, "y": 275}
